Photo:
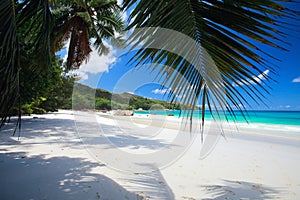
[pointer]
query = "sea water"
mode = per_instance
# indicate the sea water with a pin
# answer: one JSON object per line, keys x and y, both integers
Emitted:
{"x": 276, "y": 121}
{"x": 266, "y": 117}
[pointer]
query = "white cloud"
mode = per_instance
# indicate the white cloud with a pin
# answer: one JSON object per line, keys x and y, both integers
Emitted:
{"x": 160, "y": 91}
{"x": 296, "y": 80}
{"x": 81, "y": 75}
{"x": 119, "y": 2}
{"x": 241, "y": 106}
{"x": 179, "y": 96}
{"x": 206, "y": 106}
{"x": 66, "y": 47}
{"x": 97, "y": 64}
{"x": 124, "y": 16}
{"x": 285, "y": 106}
{"x": 258, "y": 79}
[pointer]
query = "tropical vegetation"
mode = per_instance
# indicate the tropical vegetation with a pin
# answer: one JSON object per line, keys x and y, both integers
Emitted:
{"x": 33, "y": 31}
{"x": 105, "y": 100}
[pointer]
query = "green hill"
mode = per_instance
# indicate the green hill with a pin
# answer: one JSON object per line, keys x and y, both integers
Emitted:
{"x": 105, "y": 100}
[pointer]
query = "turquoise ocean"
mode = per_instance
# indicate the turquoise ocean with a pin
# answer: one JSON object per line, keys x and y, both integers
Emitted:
{"x": 287, "y": 118}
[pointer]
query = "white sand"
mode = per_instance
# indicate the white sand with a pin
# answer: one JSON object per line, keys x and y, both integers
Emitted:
{"x": 51, "y": 162}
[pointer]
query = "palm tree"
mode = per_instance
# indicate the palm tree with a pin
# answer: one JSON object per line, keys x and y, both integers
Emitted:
{"x": 43, "y": 27}
{"x": 234, "y": 33}
{"x": 81, "y": 21}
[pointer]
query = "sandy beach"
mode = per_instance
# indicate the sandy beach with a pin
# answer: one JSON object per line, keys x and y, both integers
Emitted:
{"x": 55, "y": 159}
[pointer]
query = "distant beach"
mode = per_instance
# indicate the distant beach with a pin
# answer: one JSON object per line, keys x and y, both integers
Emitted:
{"x": 52, "y": 160}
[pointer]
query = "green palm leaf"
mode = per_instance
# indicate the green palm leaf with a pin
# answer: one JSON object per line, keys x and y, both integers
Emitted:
{"x": 229, "y": 32}
{"x": 36, "y": 16}
{"x": 9, "y": 54}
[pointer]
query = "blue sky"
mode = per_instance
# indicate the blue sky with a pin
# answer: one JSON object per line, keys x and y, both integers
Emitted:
{"x": 112, "y": 73}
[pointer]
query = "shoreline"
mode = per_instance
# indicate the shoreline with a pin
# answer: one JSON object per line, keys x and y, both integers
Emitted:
{"x": 289, "y": 132}
{"x": 252, "y": 118}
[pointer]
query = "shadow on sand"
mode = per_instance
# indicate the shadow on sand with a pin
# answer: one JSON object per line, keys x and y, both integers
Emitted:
{"x": 37, "y": 177}
{"x": 232, "y": 190}
{"x": 44, "y": 176}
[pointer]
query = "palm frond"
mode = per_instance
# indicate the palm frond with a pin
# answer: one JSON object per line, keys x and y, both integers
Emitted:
{"x": 108, "y": 22}
{"x": 36, "y": 15}
{"x": 9, "y": 55}
{"x": 226, "y": 34}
